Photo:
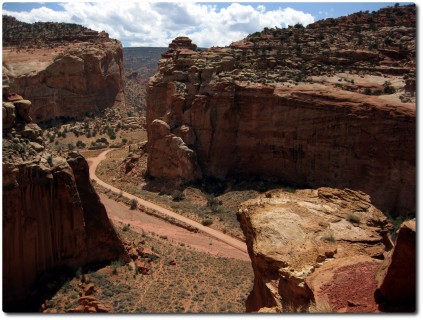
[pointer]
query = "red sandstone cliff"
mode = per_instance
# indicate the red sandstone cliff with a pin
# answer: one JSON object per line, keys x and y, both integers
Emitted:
{"x": 67, "y": 73}
{"x": 327, "y": 105}
{"x": 52, "y": 217}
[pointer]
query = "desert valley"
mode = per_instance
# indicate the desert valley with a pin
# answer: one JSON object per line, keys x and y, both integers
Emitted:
{"x": 273, "y": 175}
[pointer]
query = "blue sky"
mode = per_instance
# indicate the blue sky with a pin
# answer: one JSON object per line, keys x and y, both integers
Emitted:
{"x": 207, "y": 23}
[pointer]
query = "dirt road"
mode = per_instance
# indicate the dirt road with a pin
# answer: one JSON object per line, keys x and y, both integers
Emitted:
{"x": 139, "y": 221}
{"x": 235, "y": 243}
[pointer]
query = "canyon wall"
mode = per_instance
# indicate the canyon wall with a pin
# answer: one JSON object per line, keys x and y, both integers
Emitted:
{"x": 52, "y": 216}
{"x": 67, "y": 72}
{"x": 327, "y": 105}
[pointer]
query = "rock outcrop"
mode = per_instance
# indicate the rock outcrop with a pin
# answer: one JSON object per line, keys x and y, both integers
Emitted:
{"x": 65, "y": 70}
{"x": 323, "y": 246}
{"x": 332, "y": 105}
{"x": 397, "y": 275}
{"x": 52, "y": 216}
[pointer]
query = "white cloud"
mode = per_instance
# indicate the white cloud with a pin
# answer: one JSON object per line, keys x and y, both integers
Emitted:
{"x": 157, "y": 23}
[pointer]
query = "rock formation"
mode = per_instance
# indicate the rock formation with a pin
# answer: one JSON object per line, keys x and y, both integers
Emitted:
{"x": 298, "y": 243}
{"x": 332, "y": 105}
{"x": 52, "y": 216}
{"x": 397, "y": 275}
{"x": 65, "y": 70}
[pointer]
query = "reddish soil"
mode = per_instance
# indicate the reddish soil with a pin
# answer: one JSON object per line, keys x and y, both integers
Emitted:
{"x": 140, "y": 221}
{"x": 348, "y": 292}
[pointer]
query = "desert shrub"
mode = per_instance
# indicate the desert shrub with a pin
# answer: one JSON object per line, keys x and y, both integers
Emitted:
{"x": 353, "y": 218}
{"x": 80, "y": 144}
{"x": 177, "y": 195}
{"x": 329, "y": 237}
{"x": 125, "y": 227}
{"x": 74, "y": 295}
{"x": 322, "y": 307}
{"x": 368, "y": 91}
{"x": 133, "y": 204}
{"x": 71, "y": 146}
{"x": 115, "y": 265}
{"x": 207, "y": 222}
{"x": 388, "y": 88}
{"x": 50, "y": 160}
{"x": 213, "y": 202}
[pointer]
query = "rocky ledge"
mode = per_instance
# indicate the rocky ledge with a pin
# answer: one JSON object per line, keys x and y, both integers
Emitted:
{"x": 52, "y": 216}
{"x": 66, "y": 73}
{"x": 323, "y": 250}
{"x": 332, "y": 104}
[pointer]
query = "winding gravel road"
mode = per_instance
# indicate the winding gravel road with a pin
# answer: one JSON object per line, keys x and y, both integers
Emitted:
{"x": 94, "y": 162}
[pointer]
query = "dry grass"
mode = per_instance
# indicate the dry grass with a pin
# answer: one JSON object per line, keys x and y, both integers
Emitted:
{"x": 199, "y": 282}
{"x": 321, "y": 307}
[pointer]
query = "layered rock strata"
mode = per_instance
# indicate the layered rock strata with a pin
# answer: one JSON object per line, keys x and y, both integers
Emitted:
{"x": 319, "y": 246}
{"x": 52, "y": 216}
{"x": 79, "y": 74}
{"x": 332, "y": 104}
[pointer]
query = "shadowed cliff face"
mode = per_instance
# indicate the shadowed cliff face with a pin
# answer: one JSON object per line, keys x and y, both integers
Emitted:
{"x": 274, "y": 105}
{"x": 63, "y": 75}
{"x": 52, "y": 217}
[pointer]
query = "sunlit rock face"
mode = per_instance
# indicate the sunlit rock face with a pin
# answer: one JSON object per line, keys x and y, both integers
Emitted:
{"x": 318, "y": 106}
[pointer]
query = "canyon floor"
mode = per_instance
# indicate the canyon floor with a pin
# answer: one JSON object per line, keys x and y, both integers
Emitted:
{"x": 196, "y": 273}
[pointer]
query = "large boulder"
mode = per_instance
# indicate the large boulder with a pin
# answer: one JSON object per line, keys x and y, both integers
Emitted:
{"x": 397, "y": 275}
{"x": 293, "y": 235}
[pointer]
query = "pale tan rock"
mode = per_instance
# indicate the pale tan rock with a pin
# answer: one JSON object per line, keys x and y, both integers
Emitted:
{"x": 291, "y": 235}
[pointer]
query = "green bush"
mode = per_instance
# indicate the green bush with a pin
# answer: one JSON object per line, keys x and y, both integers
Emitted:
{"x": 177, "y": 195}
{"x": 133, "y": 204}
{"x": 353, "y": 218}
{"x": 207, "y": 222}
{"x": 329, "y": 237}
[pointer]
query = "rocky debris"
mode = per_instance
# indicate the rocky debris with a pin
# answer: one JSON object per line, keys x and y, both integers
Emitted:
{"x": 142, "y": 268}
{"x": 63, "y": 76}
{"x": 330, "y": 104}
{"x": 397, "y": 275}
{"x": 49, "y": 208}
{"x": 90, "y": 304}
{"x": 89, "y": 289}
{"x": 297, "y": 240}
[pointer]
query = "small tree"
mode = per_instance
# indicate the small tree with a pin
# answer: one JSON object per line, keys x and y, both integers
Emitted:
{"x": 134, "y": 204}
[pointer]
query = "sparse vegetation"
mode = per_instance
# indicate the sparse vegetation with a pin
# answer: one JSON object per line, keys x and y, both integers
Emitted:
{"x": 353, "y": 218}
{"x": 177, "y": 195}
{"x": 133, "y": 204}
{"x": 329, "y": 237}
{"x": 207, "y": 222}
{"x": 321, "y": 307}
